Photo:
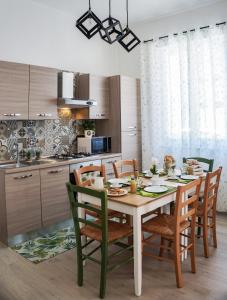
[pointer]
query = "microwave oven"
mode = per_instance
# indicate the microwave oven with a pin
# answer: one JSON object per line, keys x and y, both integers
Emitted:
{"x": 94, "y": 145}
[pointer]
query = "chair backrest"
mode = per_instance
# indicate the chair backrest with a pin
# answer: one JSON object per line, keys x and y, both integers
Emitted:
{"x": 186, "y": 207}
{"x": 74, "y": 192}
{"x": 207, "y": 163}
{"x": 211, "y": 189}
{"x": 119, "y": 165}
{"x": 82, "y": 177}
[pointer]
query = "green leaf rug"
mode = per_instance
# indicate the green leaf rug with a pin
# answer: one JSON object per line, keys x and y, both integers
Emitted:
{"x": 48, "y": 245}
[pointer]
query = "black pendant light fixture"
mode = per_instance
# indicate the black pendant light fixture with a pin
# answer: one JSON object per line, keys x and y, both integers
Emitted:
{"x": 111, "y": 29}
{"x": 89, "y": 24}
{"x": 128, "y": 40}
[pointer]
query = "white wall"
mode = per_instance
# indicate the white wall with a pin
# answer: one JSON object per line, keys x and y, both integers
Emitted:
{"x": 35, "y": 34}
{"x": 130, "y": 64}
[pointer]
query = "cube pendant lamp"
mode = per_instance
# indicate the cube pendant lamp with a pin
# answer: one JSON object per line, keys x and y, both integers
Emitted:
{"x": 111, "y": 30}
{"x": 128, "y": 40}
{"x": 89, "y": 24}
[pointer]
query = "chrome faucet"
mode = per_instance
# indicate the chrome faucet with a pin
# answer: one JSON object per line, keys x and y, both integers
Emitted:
{"x": 16, "y": 147}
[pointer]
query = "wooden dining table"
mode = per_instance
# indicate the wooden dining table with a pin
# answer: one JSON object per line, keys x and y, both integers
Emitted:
{"x": 136, "y": 206}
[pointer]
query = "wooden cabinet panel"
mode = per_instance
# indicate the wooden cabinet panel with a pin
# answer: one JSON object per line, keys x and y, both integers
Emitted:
{"x": 130, "y": 104}
{"x": 131, "y": 145}
{"x": 43, "y": 93}
{"x": 55, "y": 203}
{"x": 14, "y": 88}
{"x": 95, "y": 87}
{"x": 23, "y": 205}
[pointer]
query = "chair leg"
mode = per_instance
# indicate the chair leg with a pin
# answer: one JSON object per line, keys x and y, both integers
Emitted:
{"x": 214, "y": 229}
{"x": 177, "y": 261}
{"x": 103, "y": 271}
{"x": 192, "y": 252}
{"x": 199, "y": 228}
{"x": 205, "y": 237}
{"x": 79, "y": 263}
{"x": 161, "y": 248}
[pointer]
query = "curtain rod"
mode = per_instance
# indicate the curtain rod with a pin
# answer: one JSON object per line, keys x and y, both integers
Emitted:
{"x": 166, "y": 36}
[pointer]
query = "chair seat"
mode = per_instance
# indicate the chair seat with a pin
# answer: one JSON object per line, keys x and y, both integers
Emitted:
{"x": 116, "y": 231}
{"x": 163, "y": 225}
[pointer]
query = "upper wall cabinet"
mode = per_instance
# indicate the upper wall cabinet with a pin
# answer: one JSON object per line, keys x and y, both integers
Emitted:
{"x": 14, "y": 89}
{"x": 95, "y": 87}
{"x": 43, "y": 93}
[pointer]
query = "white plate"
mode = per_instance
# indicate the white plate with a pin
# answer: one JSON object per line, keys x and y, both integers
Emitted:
{"x": 116, "y": 185}
{"x": 189, "y": 177}
{"x": 124, "y": 192}
{"x": 114, "y": 181}
{"x": 156, "y": 189}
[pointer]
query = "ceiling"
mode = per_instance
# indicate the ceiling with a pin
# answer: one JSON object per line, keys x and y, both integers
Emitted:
{"x": 139, "y": 10}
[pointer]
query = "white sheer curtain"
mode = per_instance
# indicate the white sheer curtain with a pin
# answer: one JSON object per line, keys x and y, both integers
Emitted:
{"x": 184, "y": 98}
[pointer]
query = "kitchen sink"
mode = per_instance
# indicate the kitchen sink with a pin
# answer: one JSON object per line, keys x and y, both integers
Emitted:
{"x": 26, "y": 163}
{"x": 12, "y": 165}
{"x": 38, "y": 162}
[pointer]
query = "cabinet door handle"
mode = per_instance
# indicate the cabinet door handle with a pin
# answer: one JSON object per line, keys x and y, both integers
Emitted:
{"x": 44, "y": 115}
{"x": 132, "y": 127}
{"x": 103, "y": 115}
{"x": 55, "y": 171}
{"x": 23, "y": 176}
{"x": 12, "y": 115}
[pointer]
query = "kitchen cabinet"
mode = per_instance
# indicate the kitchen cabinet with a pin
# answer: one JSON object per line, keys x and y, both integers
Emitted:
{"x": 54, "y": 197}
{"x": 43, "y": 93}
{"x": 108, "y": 162}
{"x": 14, "y": 89}
{"x": 94, "y": 87}
{"x": 23, "y": 205}
{"x": 130, "y": 104}
{"x": 124, "y": 123}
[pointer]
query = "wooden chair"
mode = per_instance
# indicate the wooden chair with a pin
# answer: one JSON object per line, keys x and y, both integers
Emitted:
{"x": 119, "y": 165}
{"x": 208, "y": 162}
{"x": 103, "y": 231}
{"x": 172, "y": 228}
{"x": 87, "y": 181}
{"x": 133, "y": 172}
{"x": 206, "y": 211}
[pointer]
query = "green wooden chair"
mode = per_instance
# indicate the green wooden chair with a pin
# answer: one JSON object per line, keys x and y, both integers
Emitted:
{"x": 102, "y": 232}
{"x": 208, "y": 162}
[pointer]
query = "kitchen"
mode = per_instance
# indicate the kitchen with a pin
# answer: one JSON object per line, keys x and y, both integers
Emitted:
{"x": 70, "y": 102}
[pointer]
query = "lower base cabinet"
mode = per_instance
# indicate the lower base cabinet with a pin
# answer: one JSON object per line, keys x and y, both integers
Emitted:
{"x": 23, "y": 203}
{"x": 54, "y": 197}
{"x": 108, "y": 162}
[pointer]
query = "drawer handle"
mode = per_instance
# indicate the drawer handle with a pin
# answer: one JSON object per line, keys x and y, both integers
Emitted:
{"x": 23, "y": 177}
{"x": 55, "y": 171}
{"x": 112, "y": 161}
{"x": 110, "y": 174}
{"x": 44, "y": 115}
{"x": 132, "y": 127}
{"x": 132, "y": 134}
{"x": 12, "y": 115}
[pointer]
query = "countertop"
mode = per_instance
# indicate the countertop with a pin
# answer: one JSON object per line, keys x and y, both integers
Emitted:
{"x": 55, "y": 163}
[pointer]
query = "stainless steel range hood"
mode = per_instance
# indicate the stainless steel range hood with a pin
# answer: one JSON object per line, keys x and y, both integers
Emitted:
{"x": 74, "y": 103}
{"x": 66, "y": 93}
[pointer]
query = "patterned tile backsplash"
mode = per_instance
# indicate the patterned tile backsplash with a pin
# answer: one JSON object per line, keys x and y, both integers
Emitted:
{"x": 50, "y": 136}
